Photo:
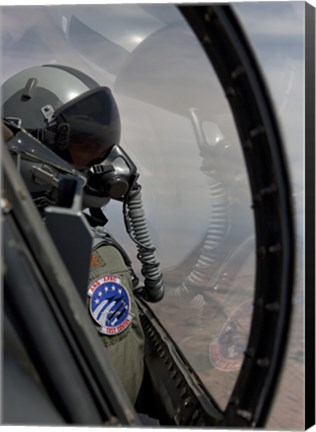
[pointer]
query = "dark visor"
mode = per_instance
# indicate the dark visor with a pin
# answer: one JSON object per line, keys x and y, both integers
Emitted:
{"x": 94, "y": 125}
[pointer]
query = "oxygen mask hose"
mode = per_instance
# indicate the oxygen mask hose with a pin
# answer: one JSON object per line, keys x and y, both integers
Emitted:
{"x": 136, "y": 226}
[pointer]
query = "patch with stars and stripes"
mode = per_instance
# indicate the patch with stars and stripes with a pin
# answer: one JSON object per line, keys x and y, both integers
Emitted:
{"x": 110, "y": 305}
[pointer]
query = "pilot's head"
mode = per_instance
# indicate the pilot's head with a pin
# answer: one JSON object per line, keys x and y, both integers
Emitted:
{"x": 66, "y": 110}
{"x": 78, "y": 120}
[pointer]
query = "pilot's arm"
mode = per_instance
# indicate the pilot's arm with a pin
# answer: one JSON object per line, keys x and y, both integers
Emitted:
{"x": 114, "y": 311}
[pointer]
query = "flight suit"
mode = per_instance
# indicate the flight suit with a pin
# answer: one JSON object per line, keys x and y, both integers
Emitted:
{"x": 117, "y": 320}
{"x": 114, "y": 311}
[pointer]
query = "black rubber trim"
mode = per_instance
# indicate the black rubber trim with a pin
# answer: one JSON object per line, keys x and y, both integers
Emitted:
{"x": 310, "y": 112}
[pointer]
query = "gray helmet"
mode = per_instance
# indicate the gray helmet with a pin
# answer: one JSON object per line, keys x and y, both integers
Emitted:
{"x": 66, "y": 109}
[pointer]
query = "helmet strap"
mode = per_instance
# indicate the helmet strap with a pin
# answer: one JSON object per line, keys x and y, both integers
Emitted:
{"x": 56, "y": 138}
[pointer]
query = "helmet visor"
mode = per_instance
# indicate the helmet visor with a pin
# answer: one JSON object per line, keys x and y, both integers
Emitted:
{"x": 95, "y": 126}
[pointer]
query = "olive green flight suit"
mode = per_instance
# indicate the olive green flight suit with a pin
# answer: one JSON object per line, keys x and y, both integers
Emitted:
{"x": 126, "y": 349}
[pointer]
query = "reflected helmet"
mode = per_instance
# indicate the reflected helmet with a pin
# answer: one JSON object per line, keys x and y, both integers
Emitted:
{"x": 66, "y": 109}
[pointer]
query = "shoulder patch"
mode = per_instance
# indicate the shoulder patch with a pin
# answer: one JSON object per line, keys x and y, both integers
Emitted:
{"x": 96, "y": 260}
{"x": 226, "y": 351}
{"x": 110, "y": 305}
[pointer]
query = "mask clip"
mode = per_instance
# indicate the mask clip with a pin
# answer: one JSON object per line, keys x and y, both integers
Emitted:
{"x": 48, "y": 112}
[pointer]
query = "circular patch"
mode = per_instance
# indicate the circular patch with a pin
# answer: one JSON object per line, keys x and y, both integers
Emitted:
{"x": 110, "y": 305}
{"x": 226, "y": 351}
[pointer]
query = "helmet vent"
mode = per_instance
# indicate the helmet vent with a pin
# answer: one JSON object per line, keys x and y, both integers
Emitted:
{"x": 29, "y": 88}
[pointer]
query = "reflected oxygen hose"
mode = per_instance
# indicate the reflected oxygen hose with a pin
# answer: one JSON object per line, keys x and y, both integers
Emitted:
{"x": 220, "y": 219}
{"x": 217, "y": 231}
{"x": 136, "y": 226}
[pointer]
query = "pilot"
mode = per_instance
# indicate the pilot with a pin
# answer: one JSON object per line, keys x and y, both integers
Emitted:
{"x": 79, "y": 120}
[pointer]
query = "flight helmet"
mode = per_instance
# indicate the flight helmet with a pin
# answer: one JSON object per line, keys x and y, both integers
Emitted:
{"x": 66, "y": 110}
